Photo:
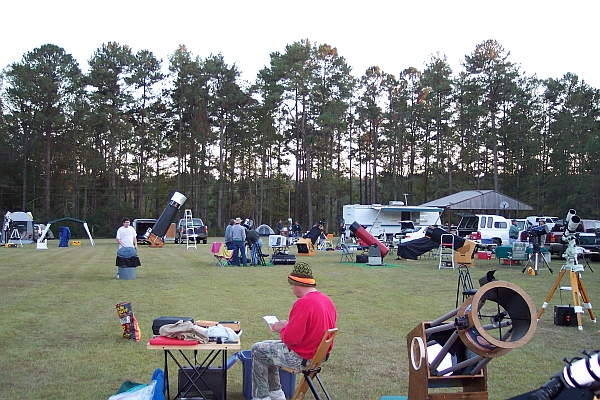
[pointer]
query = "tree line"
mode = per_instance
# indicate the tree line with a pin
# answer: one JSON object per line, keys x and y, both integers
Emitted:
{"x": 305, "y": 138}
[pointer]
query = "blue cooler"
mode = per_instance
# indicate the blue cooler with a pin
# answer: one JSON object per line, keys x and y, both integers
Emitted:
{"x": 288, "y": 380}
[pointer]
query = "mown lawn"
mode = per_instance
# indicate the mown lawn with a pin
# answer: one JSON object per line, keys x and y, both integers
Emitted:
{"x": 60, "y": 335}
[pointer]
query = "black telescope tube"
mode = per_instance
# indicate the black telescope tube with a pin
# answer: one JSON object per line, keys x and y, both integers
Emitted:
{"x": 435, "y": 234}
{"x": 161, "y": 226}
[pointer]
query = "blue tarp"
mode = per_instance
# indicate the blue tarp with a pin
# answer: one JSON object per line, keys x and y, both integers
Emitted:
{"x": 65, "y": 236}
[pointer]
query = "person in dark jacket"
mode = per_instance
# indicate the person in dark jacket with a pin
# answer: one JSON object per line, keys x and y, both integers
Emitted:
{"x": 297, "y": 229}
{"x": 279, "y": 227}
{"x": 255, "y": 244}
{"x": 314, "y": 233}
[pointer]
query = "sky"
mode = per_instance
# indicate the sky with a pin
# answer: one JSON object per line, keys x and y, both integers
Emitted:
{"x": 546, "y": 38}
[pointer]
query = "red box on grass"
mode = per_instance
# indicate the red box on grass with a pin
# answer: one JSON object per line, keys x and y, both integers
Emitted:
{"x": 484, "y": 255}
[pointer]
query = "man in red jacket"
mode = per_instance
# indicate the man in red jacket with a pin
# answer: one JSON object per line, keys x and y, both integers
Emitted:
{"x": 311, "y": 316}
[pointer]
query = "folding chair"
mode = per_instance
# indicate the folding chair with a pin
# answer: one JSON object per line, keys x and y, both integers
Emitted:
{"x": 259, "y": 254}
{"x": 329, "y": 241}
{"x": 347, "y": 253}
{"x": 221, "y": 254}
{"x": 320, "y": 243}
{"x": 519, "y": 253}
{"x": 313, "y": 369}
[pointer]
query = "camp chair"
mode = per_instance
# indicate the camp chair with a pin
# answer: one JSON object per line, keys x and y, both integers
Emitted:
{"x": 321, "y": 242}
{"x": 519, "y": 253}
{"x": 221, "y": 254}
{"x": 313, "y": 368}
{"x": 259, "y": 254}
{"x": 347, "y": 253}
{"x": 329, "y": 241}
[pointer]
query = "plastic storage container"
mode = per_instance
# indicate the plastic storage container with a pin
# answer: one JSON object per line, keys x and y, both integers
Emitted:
{"x": 127, "y": 273}
{"x": 288, "y": 380}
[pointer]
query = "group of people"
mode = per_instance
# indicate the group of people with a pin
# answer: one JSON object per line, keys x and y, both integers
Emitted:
{"x": 312, "y": 314}
{"x": 294, "y": 230}
{"x": 237, "y": 236}
{"x": 539, "y": 240}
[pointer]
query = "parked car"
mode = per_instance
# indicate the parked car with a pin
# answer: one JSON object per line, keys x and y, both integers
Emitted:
{"x": 417, "y": 232}
{"x": 200, "y": 230}
{"x": 141, "y": 225}
{"x": 588, "y": 237}
{"x": 405, "y": 226}
{"x": 485, "y": 229}
{"x": 38, "y": 229}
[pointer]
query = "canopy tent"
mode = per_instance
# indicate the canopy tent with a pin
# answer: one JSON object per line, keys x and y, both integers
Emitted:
{"x": 43, "y": 236}
{"x": 18, "y": 226}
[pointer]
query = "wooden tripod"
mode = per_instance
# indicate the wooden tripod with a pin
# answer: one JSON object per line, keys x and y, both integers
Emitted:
{"x": 579, "y": 294}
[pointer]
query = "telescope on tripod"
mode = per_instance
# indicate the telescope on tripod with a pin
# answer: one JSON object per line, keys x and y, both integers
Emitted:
{"x": 581, "y": 299}
{"x": 535, "y": 237}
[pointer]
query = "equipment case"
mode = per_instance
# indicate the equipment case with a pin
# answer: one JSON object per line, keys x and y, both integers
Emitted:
{"x": 565, "y": 316}
{"x": 284, "y": 259}
{"x": 160, "y": 321}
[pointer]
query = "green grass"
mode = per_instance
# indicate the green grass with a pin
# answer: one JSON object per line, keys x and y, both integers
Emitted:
{"x": 60, "y": 336}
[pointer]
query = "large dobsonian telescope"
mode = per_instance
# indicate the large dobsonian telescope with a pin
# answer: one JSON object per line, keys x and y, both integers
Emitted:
{"x": 155, "y": 235}
{"x": 366, "y": 237}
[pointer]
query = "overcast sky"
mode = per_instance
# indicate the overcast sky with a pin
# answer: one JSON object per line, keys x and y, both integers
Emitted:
{"x": 547, "y": 38}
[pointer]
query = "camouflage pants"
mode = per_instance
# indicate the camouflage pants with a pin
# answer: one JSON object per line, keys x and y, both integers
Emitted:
{"x": 266, "y": 357}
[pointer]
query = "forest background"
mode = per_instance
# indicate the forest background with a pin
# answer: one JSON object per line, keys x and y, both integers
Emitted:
{"x": 305, "y": 138}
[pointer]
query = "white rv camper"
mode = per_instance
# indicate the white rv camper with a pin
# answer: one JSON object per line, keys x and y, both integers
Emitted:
{"x": 385, "y": 221}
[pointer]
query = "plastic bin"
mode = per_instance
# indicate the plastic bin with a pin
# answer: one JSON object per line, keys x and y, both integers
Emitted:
{"x": 288, "y": 380}
{"x": 127, "y": 273}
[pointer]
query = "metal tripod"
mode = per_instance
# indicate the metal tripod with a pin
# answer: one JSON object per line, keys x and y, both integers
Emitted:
{"x": 15, "y": 235}
{"x": 536, "y": 255}
{"x": 579, "y": 294}
{"x": 577, "y": 289}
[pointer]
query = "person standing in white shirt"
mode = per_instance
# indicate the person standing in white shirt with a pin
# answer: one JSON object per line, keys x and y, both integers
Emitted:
{"x": 126, "y": 235}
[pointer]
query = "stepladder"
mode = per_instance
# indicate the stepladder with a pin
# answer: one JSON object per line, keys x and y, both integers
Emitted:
{"x": 190, "y": 233}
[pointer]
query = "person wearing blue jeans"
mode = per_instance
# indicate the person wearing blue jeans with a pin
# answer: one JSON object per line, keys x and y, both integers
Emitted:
{"x": 238, "y": 233}
{"x": 228, "y": 237}
{"x": 255, "y": 245}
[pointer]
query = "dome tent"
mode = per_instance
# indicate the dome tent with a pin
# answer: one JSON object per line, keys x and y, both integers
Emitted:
{"x": 265, "y": 230}
{"x": 18, "y": 224}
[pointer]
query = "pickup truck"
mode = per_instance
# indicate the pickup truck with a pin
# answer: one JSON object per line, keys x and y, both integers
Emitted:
{"x": 199, "y": 229}
{"x": 588, "y": 237}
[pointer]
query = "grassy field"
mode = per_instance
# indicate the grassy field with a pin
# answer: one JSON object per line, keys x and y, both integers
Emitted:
{"x": 60, "y": 336}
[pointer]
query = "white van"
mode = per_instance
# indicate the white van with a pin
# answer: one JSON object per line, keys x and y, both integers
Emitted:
{"x": 485, "y": 228}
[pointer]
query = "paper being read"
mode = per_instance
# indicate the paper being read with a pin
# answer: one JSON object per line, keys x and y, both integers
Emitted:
{"x": 270, "y": 320}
